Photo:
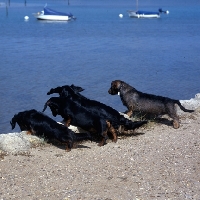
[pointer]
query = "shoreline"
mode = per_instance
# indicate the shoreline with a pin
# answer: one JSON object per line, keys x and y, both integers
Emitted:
{"x": 19, "y": 142}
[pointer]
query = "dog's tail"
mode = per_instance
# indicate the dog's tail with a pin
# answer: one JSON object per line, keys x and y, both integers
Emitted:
{"x": 82, "y": 136}
{"x": 182, "y": 108}
{"x": 130, "y": 125}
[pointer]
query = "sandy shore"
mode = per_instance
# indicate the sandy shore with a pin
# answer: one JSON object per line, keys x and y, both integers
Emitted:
{"x": 157, "y": 162}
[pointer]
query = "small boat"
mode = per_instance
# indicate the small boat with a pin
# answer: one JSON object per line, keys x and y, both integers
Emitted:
{"x": 145, "y": 14}
{"x": 50, "y": 14}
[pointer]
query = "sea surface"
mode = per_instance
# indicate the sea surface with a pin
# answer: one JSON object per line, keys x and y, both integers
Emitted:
{"x": 157, "y": 56}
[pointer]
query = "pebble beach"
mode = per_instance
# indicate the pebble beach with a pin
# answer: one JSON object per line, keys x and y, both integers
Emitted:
{"x": 156, "y": 162}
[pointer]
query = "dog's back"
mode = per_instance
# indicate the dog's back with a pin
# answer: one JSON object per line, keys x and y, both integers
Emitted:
{"x": 41, "y": 125}
{"x": 77, "y": 115}
{"x": 140, "y": 101}
{"x": 100, "y": 109}
{"x": 93, "y": 106}
{"x": 137, "y": 101}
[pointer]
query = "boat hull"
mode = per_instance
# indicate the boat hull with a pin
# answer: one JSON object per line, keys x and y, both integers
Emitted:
{"x": 140, "y": 14}
{"x": 53, "y": 17}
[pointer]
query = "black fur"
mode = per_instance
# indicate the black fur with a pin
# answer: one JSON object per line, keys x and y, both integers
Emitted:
{"x": 41, "y": 125}
{"x": 77, "y": 115}
{"x": 100, "y": 109}
{"x": 59, "y": 90}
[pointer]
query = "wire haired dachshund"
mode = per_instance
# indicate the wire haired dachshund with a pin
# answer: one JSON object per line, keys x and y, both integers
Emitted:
{"x": 37, "y": 123}
{"x": 138, "y": 101}
{"x": 100, "y": 109}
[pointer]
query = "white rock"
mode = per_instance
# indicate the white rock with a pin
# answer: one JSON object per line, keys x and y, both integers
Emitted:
{"x": 17, "y": 142}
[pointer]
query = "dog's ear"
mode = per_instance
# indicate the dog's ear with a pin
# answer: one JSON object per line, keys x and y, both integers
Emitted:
{"x": 52, "y": 102}
{"x": 116, "y": 84}
{"x": 13, "y": 122}
{"x": 77, "y": 88}
{"x": 45, "y": 106}
{"x": 53, "y": 107}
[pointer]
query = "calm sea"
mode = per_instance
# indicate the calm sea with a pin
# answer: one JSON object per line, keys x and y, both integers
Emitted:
{"x": 158, "y": 56}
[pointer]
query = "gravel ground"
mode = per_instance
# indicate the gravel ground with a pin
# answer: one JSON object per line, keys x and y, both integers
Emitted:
{"x": 157, "y": 162}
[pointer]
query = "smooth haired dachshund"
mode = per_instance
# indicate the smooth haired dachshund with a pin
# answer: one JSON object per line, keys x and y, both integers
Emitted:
{"x": 100, "y": 109}
{"x": 76, "y": 115}
{"x": 37, "y": 123}
{"x": 61, "y": 92}
{"x": 138, "y": 101}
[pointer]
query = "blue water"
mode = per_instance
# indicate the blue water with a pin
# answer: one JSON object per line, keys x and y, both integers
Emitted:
{"x": 158, "y": 56}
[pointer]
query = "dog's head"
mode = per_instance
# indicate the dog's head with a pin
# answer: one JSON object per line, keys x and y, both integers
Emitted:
{"x": 61, "y": 90}
{"x": 55, "y": 90}
{"x": 18, "y": 118}
{"x": 19, "y": 122}
{"x": 67, "y": 91}
{"x": 70, "y": 90}
{"x": 115, "y": 87}
{"x": 53, "y": 104}
{"x": 76, "y": 88}
{"x": 22, "y": 119}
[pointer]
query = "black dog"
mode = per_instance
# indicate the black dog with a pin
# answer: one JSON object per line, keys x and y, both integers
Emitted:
{"x": 100, "y": 109}
{"x": 146, "y": 103}
{"x": 37, "y": 123}
{"x": 74, "y": 114}
{"x": 23, "y": 120}
{"x": 60, "y": 91}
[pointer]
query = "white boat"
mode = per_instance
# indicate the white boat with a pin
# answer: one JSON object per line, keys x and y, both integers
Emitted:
{"x": 49, "y": 14}
{"x": 145, "y": 14}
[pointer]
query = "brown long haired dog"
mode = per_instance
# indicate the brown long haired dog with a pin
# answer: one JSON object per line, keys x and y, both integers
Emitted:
{"x": 146, "y": 103}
